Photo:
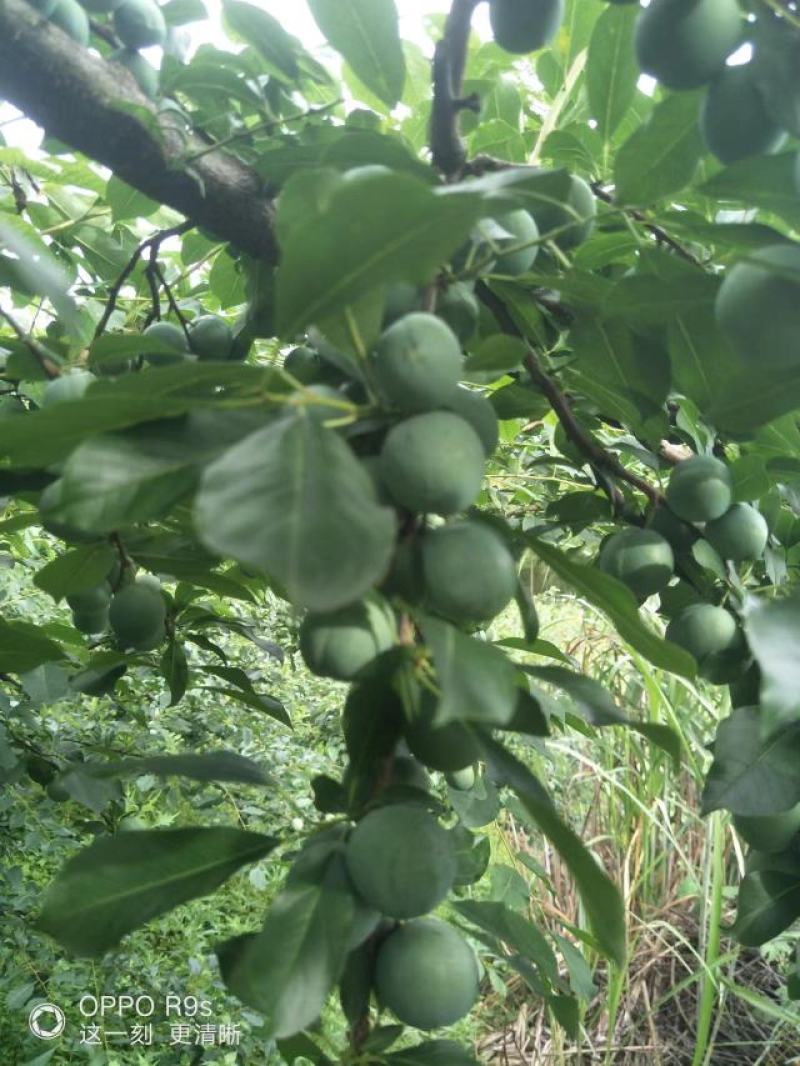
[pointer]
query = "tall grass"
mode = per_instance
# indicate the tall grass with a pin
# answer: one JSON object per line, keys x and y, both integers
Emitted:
{"x": 688, "y": 995}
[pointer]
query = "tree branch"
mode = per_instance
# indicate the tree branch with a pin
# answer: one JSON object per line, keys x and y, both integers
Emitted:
{"x": 39, "y": 353}
{"x": 603, "y": 462}
{"x": 661, "y": 235}
{"x": 151, "y": 244}
{"x": 449, "y": 61}
{"x": 97, "y": 108}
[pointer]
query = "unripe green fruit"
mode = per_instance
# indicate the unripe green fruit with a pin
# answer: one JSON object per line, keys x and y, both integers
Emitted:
{"x": 469, "y": 573}
{"x": 409, "y": 773}
{"x": 427, "y": 974}
{"x": 304, "y": 364}
{"x": 100, "y": 7}
{"x": 339, "y": 644}
{"x": 769, "y": 832}
{"x": 69, "y": 16}
{"x": 129, "y": 823}
{"x": 522, "y": 227}
{"x": 96, "y": 598}
{"x": 458, "y": 307}
{"x": 44, "y": 7}
{"x": 684, "y": 43}
{"x": 140, "y": 24}
{"x": 210, "y": 337}
{"x": 522, "y": 26}
{"x": 401, "y": 860}
{"x": 90, "y": 622}
{"x": 449, "y": 747}
{"x": 170, "y": 336}
{"x": 418, "y": 362}
{"x": 137, "y": 616}
{"x": 56, "y": 791}
{"x": 433, "y": 463}
{"x": 577, "y": 213}
{"x": 474, "y": 408}
{"x": 640, "y": 558}
{"x": 462, "y": 780}
{"x": 144, "y": 74}
{"x": 372, "y": 465}
{"x": 67, "y": 387}
{"x": 401, "y": 300}
{"x": 712, "y": 636}
{"x": 758, "y": 306}
{"x": 679, "y": 535}
{"x": 741, "y": 534}
{"x": 733, "y": 118}
{"x": 700, "y": 489}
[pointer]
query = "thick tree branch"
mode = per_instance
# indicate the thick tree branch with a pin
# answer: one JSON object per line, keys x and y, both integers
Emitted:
{"x": 96, "y": 107}
{"x": 602, "y": 461}
{"x": 449, "y": 61}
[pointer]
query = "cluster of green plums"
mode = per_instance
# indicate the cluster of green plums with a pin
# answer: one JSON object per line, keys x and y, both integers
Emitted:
{"x": 402, "y": 864}
{"x": 684, "y": 44}
{"x": 137, "y": 23}
{"x": 699, "y": 498}
{"x": 136, "y": 613}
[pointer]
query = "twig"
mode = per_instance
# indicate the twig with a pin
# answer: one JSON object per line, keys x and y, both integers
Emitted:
{"x": 40, "y": 354}
{"x": 153, "y": 242}
{"x": 159, "y": 273}
{"x": 652, "y": 228}
{"x": 604, "y": 463}
{"x": 260, "y": 127}
{"x": 449, "y": 61}
{"x": 125, "y": 561}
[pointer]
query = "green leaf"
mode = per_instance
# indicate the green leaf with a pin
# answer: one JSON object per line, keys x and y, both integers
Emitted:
{"x": 328, "y": 263}
{"x": 205, "y": 766}
{"x": 700, "y": 354}
{"x": 762, "y": 181}
{"x": 617, "y": 602}
{"x": 366, "y": 33}
{"x": 294, "y": 502}
{"x": 24, "y": 646}
{"x": 175, "y": 670}
{"x": 266, "y": 35}
{"x": 126, "y": 202}
{"x": 119, "y": 883}
{"x": 38, "y": 271}
{"x": 433, "y": 1053}
{"x": 750, "y": 775}
{"x": 628, "y": 376}
{"x": 477, "y": 681}
{"x": 768, "y": 903}
{"x": 751, "y": 397}
{"x": 514, "y": 930}
{"x": 116, "y": 480}
{"x": 264, "y": 704}
{"x": 288, "y": 969}
{"x": 600, "y": 896}
{"x": 773, "y": 632}
{"x": 660, "y": 157}
{"x": 47, "y": 435}
{"x": 611, "y": 67}
{"x": 597, "y": 706}
{"x": 75, "y": 570}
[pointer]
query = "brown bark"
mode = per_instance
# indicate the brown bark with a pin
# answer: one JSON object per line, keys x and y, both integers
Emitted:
{"x": 96, "y": 107}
